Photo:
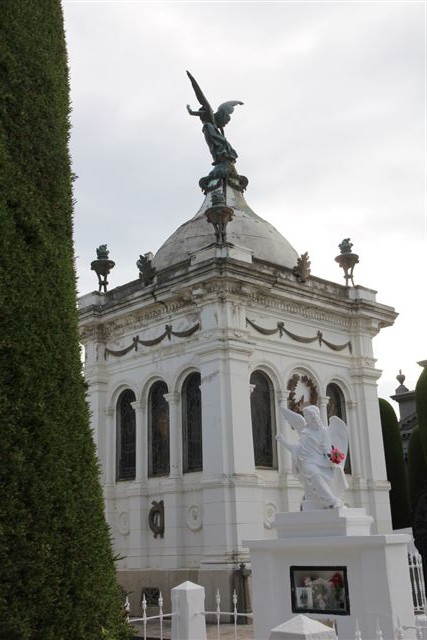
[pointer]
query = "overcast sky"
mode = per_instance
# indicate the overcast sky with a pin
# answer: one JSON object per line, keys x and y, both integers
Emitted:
{"x": 332, "y": 136}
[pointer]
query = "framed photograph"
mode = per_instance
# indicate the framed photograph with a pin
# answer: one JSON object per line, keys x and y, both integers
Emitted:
{"x": 320, "y": 590}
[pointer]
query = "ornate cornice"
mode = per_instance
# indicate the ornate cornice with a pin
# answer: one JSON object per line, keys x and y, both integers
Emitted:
{"x": 258, "y": 297}
{"x": 280, "y": 329}
{"x": 125, "y": 316}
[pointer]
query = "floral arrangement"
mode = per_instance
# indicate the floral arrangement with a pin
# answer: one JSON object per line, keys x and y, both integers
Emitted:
{"x": 337, "y": 586}
{"x": 335, "y": 455}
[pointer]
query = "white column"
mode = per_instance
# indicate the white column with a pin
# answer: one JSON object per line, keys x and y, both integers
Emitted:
{"x": 284, "y": 456}
{"x": 226, "y": 415}
{"x": 374, "y": 494}
{"x": 323, "y": 408}
{"x": 175, "y": 434}
{"x": 109, "y": 462}
{"x": 354, "y": 443}
{"x": 141, "y": 449}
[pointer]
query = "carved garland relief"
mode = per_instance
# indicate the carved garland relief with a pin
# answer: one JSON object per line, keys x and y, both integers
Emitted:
{"x": 168, "y": 332}
{"x": 280, "y": 329}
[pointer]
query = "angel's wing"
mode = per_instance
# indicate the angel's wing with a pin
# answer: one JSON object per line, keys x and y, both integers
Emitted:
{"x": 222, "y": 116}
{"x": 201, "y": 98}
{"x": 338, "y": 434}
{"x": 296, "y": 420}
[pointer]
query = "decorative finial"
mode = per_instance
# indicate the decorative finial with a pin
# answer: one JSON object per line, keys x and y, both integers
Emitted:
{"x": 102, "y": 266}
{"x": 219, "y": 215}
{"x": 223, "y": 155}
{"x": 347, "y": 260}
{"x": 401, "y": 379}
{"x": 146, "y": 269}
{"x": 345, "y": 246}
{"x": 302, "y": 270}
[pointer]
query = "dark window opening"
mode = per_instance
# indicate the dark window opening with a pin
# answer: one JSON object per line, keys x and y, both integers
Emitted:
{"x": 192, "y": 424}
{"x": 158, "y": 430}
{"x": 126, "y": 436}
{"x": 263, "y": 420}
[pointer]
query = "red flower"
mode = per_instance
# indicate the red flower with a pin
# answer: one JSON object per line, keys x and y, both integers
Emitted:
{"x": 336, "y": 580}
{"x": 336, "y": 456}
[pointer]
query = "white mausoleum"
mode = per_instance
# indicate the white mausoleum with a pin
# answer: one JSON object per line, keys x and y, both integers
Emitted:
{"x": 187, "y": 367}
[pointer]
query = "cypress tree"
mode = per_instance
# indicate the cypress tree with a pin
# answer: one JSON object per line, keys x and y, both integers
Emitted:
{"x": 421, "y": 404}
{"x": 417, "y": 467}
{"x": 57, "y": 576}
{"x": 417, "y": 463}
{"x": 395, "y": 466}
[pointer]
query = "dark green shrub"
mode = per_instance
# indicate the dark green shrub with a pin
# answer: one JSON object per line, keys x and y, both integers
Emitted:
{"x": 417, "y": 467}
{"x": 395, "y": 465}
{"x": 57, "y": 576}
{"x": 417, "y": 462}
{"x": 421, "y": 404}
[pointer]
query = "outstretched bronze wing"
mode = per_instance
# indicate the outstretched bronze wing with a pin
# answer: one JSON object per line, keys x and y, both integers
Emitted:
{"x": 202, "y": 99}
{"x": 222, "y": 116}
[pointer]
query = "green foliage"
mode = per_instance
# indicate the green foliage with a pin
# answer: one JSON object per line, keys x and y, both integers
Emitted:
{"x": 417, "y": 467}
{"x": 395, "y": 465}
{"x": 421, "y": 404}
{"x": 417, "y": 449}
{"x": 57, "y": 578}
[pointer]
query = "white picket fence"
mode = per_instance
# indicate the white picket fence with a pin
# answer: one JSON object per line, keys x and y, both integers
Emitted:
{"x": 162, "y": 620}
{"x": 417, "y": 582}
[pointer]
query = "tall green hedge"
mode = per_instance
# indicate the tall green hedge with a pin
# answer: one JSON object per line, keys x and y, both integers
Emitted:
{"x": 417, "y": 467}
{"x": 395, "y": 465}
{"x": 417, "y": 463}
{"x": 417, "y": 449}
{"x": 57, "y": 574}
{"x": 421, "y": 404}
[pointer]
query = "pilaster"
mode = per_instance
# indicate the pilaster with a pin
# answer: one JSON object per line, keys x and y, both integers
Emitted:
{"x": 175, "y": 434}
{"x": 108, "y": 461}
{"x": 141, "y": 458}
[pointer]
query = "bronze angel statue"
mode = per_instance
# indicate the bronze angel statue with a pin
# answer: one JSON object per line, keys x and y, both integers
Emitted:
{"x": 213, "y": 125}
{"x": 319, "y": 457}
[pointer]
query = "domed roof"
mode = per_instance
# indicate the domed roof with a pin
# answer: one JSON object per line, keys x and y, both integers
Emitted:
{"x": 246, "y": 229}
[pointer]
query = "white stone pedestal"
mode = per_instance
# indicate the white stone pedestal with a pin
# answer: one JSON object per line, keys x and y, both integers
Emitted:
{"x": 379, "y": 590}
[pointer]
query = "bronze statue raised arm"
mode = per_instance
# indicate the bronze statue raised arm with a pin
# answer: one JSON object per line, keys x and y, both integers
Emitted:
{"x": 223, "y": 154}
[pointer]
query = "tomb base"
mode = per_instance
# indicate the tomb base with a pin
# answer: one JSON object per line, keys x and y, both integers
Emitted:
{"x": 327, "y": 565}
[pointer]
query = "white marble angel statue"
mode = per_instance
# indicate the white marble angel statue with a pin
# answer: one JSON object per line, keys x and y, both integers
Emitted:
{"x": 318, "y": 458}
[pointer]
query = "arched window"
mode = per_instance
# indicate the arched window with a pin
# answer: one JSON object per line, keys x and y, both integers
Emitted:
{"x": 263, "y": 420}
{"x": 126, "y": 436}
{"x": 336, "y": 407}
{"x": 158, "y": 430}
{"x": 192, "y": 424}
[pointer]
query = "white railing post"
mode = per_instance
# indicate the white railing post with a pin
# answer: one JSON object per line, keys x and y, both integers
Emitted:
{"x": 188, "y": 616}
{"x": 218, "y": 614}
{"x": 126, "y": 607}
{"x": 235, "y": 613}
{"x": 161, "y": 615}
{"x": 358, "y": 634}
{"x": 144, "y": 614}
{"x": 399, "y": 630}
